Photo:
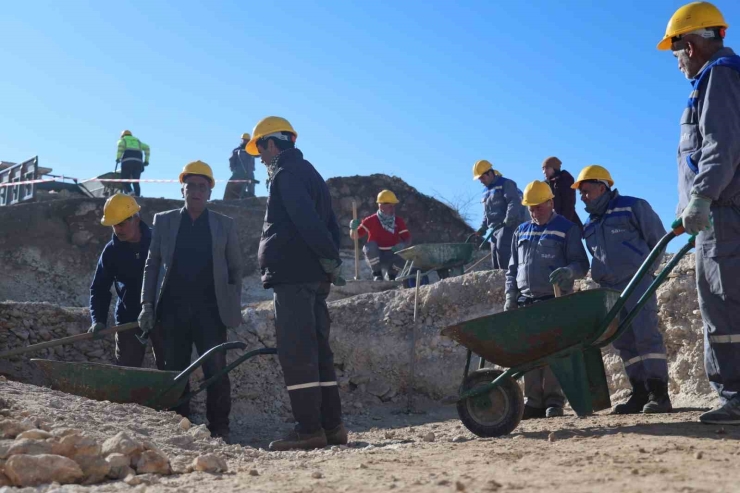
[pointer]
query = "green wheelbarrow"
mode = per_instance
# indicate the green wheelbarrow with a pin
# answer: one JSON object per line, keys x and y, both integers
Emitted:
{"x": 152, "y": 388}
{"x": 565, "y": 333}
{"x": 446, "y": 258}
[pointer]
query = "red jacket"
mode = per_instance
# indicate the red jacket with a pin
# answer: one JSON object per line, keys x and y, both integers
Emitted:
{"x": 386, "y": 240}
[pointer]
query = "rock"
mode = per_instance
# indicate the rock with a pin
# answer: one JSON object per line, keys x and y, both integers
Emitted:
{"x": 77, "y": 446}
{"x": 63, "y": 432}
{"x": 200, "y": 432}
{"x": 317, "y": 475}
{"x": 459, "y": 439}
{"x": 699, "y": 455}
{"x": 134, "y": 480}
{"x": 5, "y": 480}
{"x": 34, "y": 435}
{"x": 119, "y": 466}
{"x": 459, "y": 486}
{"x": 182, "y": 441}
{"x": 25, "y": 446}
{"x": 254, "y": 472}
{"x": 122, "y": 444}
{"x": 209, "y": 463}
{"x": 10, "y": 428}
{"x": 181, "y": 465}
{"x": 94, "y": 467}
{"x": 185, "y": 424}
{"x": 551, "y": 437}
{"x": 378, "y": 388}
{"x": 153, "y": 462}
{"x": 34, "y": 470}
{"x": 429, "y": 437}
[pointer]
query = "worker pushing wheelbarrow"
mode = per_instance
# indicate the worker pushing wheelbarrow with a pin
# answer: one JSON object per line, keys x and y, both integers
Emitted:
{"x": 565, "y": 333}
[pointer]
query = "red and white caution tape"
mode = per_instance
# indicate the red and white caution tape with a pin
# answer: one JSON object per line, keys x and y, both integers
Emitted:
{"x": 112, "y": 180}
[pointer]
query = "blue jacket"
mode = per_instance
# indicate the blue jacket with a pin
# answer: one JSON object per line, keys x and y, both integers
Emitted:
{"x": 536, "y": 251}
{"x": 709, "y": 149}
{"x": 621, "y": 238}
{"x": 123, "y": 264}
{"x": 502, "y": 203}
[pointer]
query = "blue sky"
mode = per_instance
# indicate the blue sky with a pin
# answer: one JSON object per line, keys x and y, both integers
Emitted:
{"x": 420, "y": 90}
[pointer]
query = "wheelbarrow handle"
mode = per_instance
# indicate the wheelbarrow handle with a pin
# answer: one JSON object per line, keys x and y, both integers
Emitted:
{"x": 207, "y": 383}
{"x": 206, "y": 356}
{"x": 639, "y": 275}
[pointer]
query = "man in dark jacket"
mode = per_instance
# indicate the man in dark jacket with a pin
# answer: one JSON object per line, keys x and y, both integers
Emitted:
{"x": 299, "y": 258}
{"x": 560, "y": 182}
{"x": 122, "y": 263}
{"x": 241, "y": 164}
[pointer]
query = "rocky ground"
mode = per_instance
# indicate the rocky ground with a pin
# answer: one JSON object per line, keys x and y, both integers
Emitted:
{"x": 124, "y": 447}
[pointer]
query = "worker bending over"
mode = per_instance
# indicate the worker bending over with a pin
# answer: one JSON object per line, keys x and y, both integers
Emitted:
{"x": 133, "y": 156}
{"x": 241, "y": 164}
{"x": 386, "y": 234}
{"x": 192, "y": 287}
{"x": 121, "y": 264}
{"x": 502, "y": 211}
{"x": 299, "y": 259}
{"x": 561, "y": 183}
{"x": 544, "y": 251}
{"x": 620, "y": 233}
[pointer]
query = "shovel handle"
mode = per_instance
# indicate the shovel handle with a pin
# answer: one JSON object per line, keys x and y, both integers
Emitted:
{"x": 70, "y": 340}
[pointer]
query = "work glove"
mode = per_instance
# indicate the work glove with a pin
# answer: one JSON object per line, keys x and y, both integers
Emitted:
{"x": 397, "y": 248}
{"x": 334, "y": 269}
{"x": 146, "y": 163}
{"x": 562, "y": 276}
{"x": 481, "y": 231}
{"x": 95, "y": 329}
{"x": 118, "y": 161}
{"x": 354, "y": 224}
{"x": 146, "y": 318}
{"x": 510, "y": 222}
{"x": 695, "y": 216}
{"x": 510, "y": 304}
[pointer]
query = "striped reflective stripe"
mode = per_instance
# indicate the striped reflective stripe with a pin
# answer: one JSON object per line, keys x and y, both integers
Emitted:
{"x": 644, "y": 357}
{"x": 385, "y": 249}
{"x": 304, "y": 386}
{"x": 727, "y": 339}
{"x": 545, "y": 232}
{"x": 311, "y": 385}
{"x": 619, "y": 209}
{"x": 404, "y": 231}
{"x": 363, "y": 227}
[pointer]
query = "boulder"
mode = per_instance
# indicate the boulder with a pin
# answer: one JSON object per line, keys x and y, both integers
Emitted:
{"x": 119, "y": 466}
{"x": 10, "y": 428}
{"x": 78, "y": 445}
{"x": 34, "y": 470}
{"x": 26, "y": 446}
{"x": 210, "y": 463}
{"x": 34, "y": 435}
{"x": 153, "y": 462}
{"x": 122, "y": 444}
{"x": 94, "y": 467}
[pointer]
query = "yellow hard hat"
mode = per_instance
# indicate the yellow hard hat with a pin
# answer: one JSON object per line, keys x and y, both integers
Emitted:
{"x": 198, "y": 168}
{"x": 125, "y": 133}
{"x": 246, "y": 136}
{"x": 481, "y": 167}
{"x": 536, "y": 193}
{"x": 689, "y": 18}
{"x": 387, "y": 197}
{"x": 267, "y": 126}
{"x": 593, "y": 172}
{"x": 118, "y": 208}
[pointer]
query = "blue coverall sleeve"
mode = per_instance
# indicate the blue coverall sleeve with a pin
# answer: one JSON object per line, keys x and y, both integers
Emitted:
{"x": 512, "y": 290}
{"x": 100, "y": 294}
{"x": 302, "y": 211}
{"x": 650, "y": 227}
{"x": 513, "y": 204}
{"x": 575, "y": 253}
{"x": 719, "y": 125}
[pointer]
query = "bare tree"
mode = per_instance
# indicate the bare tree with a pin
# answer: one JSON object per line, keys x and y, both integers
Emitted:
{"x": 460, "y": 203}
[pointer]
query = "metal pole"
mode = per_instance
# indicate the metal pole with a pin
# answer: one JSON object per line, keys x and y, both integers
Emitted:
{"x": 357, "y": 243}
{"x": 412, "y": 359}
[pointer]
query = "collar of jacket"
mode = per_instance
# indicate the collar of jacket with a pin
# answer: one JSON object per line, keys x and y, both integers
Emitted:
{"x": 721, "y": 53}
{"x": 146, "y": 233}
{"x": 603, "y": 204}
{"x": 494, "y": 182}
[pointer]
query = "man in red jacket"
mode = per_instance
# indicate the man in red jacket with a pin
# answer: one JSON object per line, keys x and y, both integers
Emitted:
{"x": 560, "y": 182}
{"x": 386, "y": 234}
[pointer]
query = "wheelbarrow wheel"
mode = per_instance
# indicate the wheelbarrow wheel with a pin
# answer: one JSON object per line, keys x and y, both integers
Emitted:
{"x": 495, "y": 413}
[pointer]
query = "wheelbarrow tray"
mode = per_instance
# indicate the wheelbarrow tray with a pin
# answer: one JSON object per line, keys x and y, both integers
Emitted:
{"x": 430, "y": 256}
{"x": 517, "y": 337}
{"x": 145, "y": 386}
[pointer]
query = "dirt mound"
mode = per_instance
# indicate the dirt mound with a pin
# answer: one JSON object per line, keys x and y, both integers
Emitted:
{"x": 428, "y": 219}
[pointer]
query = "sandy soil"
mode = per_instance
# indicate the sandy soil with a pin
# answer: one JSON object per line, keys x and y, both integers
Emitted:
{"x": 388, "y": 449}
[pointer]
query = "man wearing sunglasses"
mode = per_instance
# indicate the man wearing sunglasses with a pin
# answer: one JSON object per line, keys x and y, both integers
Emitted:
{"x": 122, "y": 264}
{"x": 192, "y": 288}
{"x": 709, "y": 189}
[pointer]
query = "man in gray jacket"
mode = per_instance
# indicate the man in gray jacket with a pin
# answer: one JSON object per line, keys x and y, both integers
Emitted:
{"x": 545, "y": 251}
{"x": 709, "y": 189}
{"x": 192, "y": 287}
{"x": 502, "y": 211}
{"x": 621, "y": 232}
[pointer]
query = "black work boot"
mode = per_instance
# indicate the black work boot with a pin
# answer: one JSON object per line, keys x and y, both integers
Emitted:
{"x": 638, "y": 398}
{"x": 531, "y": 412}
{"x": 337, "y": 435}
{"x": 658, "y": 399}
{"x": 377, "y": 276}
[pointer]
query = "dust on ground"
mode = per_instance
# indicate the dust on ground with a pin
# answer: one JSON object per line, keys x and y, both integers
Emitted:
{"x": 427, "y": 450}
